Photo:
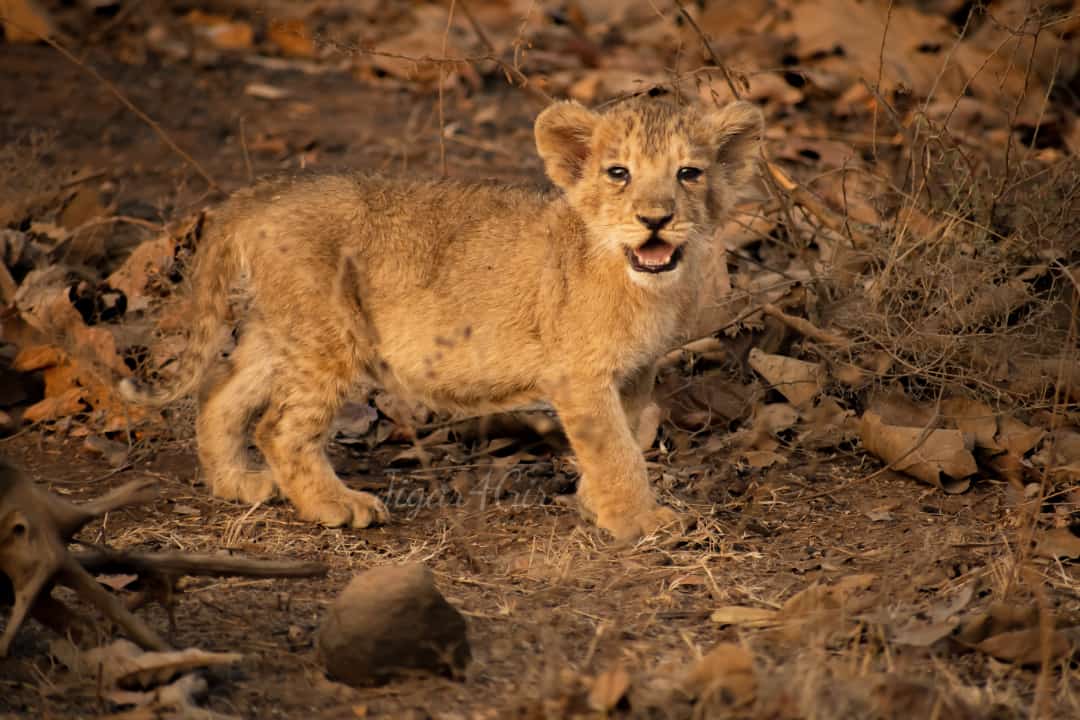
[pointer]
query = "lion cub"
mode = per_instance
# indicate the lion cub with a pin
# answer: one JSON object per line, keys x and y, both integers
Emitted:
{"x": 466, "y": 297}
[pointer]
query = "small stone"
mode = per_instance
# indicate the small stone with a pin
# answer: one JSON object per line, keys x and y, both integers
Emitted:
{"x": 389, "y": 620}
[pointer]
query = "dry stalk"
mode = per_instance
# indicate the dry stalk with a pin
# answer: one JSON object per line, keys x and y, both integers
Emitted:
{"x": 816, "y": 207}
{"x": 805, "y": 327}
{"x": 728, "y": 77}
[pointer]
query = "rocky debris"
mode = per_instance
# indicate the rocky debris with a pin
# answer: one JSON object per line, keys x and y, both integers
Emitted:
{"x": 390, "y": 620}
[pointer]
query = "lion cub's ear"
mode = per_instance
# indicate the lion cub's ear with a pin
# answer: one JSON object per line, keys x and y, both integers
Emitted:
{"x": 563, "y": 138}
{"x": 735, "y": 131}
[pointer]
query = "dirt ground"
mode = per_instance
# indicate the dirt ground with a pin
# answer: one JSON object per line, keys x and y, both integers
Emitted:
{"x": 553, "y": 608}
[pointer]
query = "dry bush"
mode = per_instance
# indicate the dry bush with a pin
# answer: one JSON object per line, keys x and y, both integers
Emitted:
{"x": 973, "y": 286}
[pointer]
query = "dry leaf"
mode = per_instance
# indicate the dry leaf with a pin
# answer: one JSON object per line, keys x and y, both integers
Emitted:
{"x": 725, "y": 674}
{"x": 79, "y": 379}
{"x": 223, "y": 33}
{"x": 713, "y": 399}
{"x": 151, "y": 259}
{"x": 827, "y": 425}
{"x": 27, "y": 21}
{"x": 1059, "y": 542}
{"x": 1017, "y": 437}
{"x": 124, "y": 665}
{"x": 266, "y": 92}
{"x": 1025, "y": 647}
{"x": 855, "y": 47}
{"x": 176, "y": 700}
{"x": 999, "y": 617}
{"x": 742, "y": 615}
{"x": 796, "y": 380}
{"x": 974, "y": 418}
{"x": 353, "y": 421}
{"x": 762, "y": 458}
{"x": 938, "y": 622}
{"x": 850, "y": 593}
{"x": 1034, "y": 375}
{"x": 608, "y": 689}
{"x": 938, "y": 457}
{"x": 116, "y": 582}
{"x": 292, "y": 36}
{"x": 115, "y": 453}
{"x": 895, "y": 408}
{"x": 774, "y": 418}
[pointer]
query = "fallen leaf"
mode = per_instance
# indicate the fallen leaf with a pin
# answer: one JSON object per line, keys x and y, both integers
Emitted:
{"x": 797, "y": 380}
{"x": 726, "y": 674}
{"x": 742, "y": 615}
{"x": 266, "y": 92}
{"x": 1025, "y": 647}
{"x": 1017, "y": 437}
{"x": 938, "y": 457}
{"x": 220, "y": 31}
{"x": 762, "y": 458}
{"x": 999, "y": 617}
{"x": 850, "y": 593}
{"x": 936, "y": 623}
{"x": 84, "y": 205}
{"x": 149, "y": 260}
{"x": 860, "y": 47}
{"x": 292, "y": 37}
{"x": 827, "y": 425}
{"x": 774, "y": 417}
{"x": 116, "y": 582}
{"x": 974, "y": 418}
{"x": 608, "y": 689}
{"x": 124, "y": 665}
{"x": 1059, "y": 542}
{"x": 1009, "y": 467}
{"x": 713, "y": 399}
{"x": 895, "y": 408}
{"x": 353, "y": 421}
{"x": 69, "y": 402}
{"x": 115, "y": 453}
{"x": 178, "y": 696}
{"x": 25, "y": 21}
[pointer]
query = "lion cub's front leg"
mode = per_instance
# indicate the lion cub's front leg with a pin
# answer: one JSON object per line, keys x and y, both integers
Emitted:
{"x": 614, "y": 485}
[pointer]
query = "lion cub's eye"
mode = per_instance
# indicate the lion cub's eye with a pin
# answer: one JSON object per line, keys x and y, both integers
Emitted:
{"x": 688, "y": 174}
{"x": 618, "y": 173}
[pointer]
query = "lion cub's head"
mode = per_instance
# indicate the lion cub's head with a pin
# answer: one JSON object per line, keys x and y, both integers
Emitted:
{"x": 649, "y": 176}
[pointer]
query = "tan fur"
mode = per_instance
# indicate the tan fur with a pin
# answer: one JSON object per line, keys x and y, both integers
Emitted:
{"x": 465, "y": 296}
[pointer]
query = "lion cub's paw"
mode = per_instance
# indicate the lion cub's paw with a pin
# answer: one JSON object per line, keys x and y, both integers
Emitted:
{"x": 246, "y": 486}
{"x": 352, "y": 508}
{"x": 632, "y": 527}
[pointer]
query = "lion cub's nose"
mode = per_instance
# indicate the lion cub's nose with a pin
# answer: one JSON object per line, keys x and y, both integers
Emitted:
{"x": 654, "y": 223}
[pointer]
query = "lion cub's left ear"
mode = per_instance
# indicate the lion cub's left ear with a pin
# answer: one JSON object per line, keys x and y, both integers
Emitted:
{"x": 564, "y": 140}
{"x": 735, "y": 131}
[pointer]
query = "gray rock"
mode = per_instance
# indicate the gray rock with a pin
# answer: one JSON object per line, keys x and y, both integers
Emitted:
{"x": 390, "y": 620}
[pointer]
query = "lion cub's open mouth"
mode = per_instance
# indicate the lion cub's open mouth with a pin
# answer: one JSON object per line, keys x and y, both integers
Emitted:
{"x": 655, "y": 256}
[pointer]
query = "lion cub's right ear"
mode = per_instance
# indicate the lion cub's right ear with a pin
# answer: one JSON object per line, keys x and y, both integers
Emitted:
{"x": 564, "y": 138}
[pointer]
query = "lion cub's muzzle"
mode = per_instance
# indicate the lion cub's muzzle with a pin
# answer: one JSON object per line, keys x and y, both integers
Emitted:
{"x": 656, "y": 255}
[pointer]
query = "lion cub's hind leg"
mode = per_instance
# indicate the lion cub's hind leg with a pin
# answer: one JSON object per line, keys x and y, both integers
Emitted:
{"x": 232, "y": 396}
{"x": 293, "y": 433}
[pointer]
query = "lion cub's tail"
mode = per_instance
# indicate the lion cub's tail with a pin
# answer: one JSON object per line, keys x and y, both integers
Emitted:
{"x": 215, "y": 267}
